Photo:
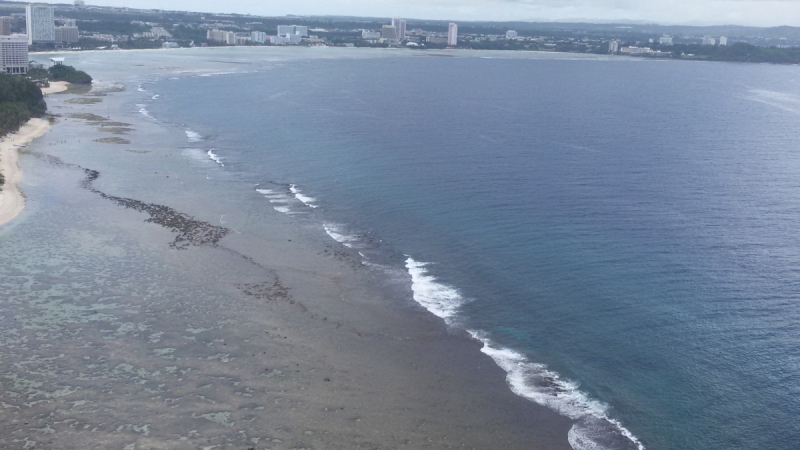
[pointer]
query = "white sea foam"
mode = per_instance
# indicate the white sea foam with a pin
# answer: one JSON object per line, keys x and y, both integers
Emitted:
{"x": 156, "y": 97}
{"x": 593, "y": 429}
{"x": 281, "y": 200}
{"x": 140, "y": 88}
{"x": 193, "y": 136}
{"x": 308, "y": 201}
{"x": 438, "y": 298}
{"x": 275, "y": 197}
{"x": 214, "y": 157}
{"x": 214, "y": 74}
{"x": 143, "y": 111}
{"x": 335, "y": 232}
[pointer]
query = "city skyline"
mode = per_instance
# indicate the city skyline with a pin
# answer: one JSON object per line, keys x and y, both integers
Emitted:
{"x": 668, "y": 12}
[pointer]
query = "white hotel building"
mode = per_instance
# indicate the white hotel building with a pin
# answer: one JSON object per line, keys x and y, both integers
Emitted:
{"x": 41, "y": 23}
{"x": 452, "y": 35}
{"x": 14, "y": 54}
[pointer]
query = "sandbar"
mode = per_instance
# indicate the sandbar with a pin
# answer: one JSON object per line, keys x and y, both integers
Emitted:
{"x": 11, "y": 200}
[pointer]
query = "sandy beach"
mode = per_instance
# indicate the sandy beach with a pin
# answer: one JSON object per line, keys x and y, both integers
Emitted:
{"x": 55, "y": 87}
{"x": 11, "y": 200}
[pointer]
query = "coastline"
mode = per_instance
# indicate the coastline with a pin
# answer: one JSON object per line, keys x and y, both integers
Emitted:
{"x": 55, "y": 87}
{"x": 12, "y": 202}
{"x": 307, "y": 350}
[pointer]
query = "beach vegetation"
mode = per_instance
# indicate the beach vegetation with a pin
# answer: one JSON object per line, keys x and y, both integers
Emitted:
{"x": 20, "y": 100}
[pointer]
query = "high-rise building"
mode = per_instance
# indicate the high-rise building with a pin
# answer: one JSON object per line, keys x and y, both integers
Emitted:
{"x": 389, "y": 32}
{"x": 68, "y": 34}
{"x": 709, "y": 41}
{"x": 511, "y": 34}
{"x": 14, "y": 54}
{"x": 259, "y": 37}
{"x": 665, "y": 40}
{"x": 5, "y": 26}
{"x": 452, "y": 35}
{"x": 41, "y": 24}
{"x": 723, "y": 40}
{"x": 613, "y": 47}
{"x": 399, "y": 25}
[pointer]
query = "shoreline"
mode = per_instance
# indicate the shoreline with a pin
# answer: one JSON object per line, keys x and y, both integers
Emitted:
{"x": 55, "y": 87}
{"x": 431, "y": 51}
{"x": 12, "y": 202}
{"x": 325, "y": 353}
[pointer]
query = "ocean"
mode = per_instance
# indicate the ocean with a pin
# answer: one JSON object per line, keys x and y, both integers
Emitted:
{"x": 620, "y": 233}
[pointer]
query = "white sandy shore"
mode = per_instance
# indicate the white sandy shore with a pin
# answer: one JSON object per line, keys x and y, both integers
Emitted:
{"x": 55, "y": 87}
{"x": 11, "y": 200}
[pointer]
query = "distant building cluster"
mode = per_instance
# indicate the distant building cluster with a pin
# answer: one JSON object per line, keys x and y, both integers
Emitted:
{"x": 710, "y": 40}
{"x": 396, "y": 34}
{"x": 642, "y": 51}
{"x": 40, "y": 25}
{"x": 286, "y": 34}
{"x": 230, "y": 37}
{"x": 44, "y": 29}
{"x": 40, "y": 28}
{"x": 615, "y": 47}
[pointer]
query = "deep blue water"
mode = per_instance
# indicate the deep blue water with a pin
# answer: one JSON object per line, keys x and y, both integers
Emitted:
{"x": 634, "y": 225}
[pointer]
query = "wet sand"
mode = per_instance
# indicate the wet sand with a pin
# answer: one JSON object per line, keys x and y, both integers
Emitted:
{"x": 134, "y": 320}
{"x": 12, "y": 201}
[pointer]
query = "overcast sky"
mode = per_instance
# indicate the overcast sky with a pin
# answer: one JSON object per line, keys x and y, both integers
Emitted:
{"x": 694, "y": 12}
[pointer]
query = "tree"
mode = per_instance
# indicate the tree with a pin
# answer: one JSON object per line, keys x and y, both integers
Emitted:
{"x": 20, "y": 99}
{"x": 60, "y": 72}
